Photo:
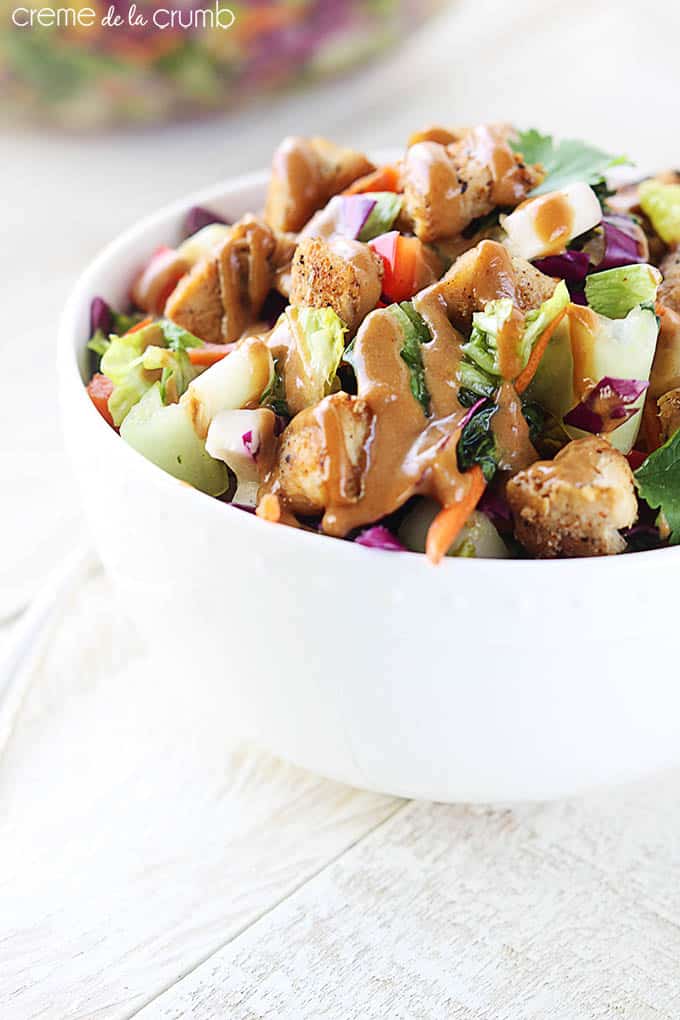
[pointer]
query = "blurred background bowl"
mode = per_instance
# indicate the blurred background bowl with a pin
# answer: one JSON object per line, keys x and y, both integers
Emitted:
{"x": 101, "y": 74}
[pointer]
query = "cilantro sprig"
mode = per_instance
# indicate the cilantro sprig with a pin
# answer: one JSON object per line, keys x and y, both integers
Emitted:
{"x": 566, "y": 161}
{"x": 658, "y": 482}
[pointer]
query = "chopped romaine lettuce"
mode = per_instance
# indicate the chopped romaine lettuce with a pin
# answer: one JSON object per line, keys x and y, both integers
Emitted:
{"x": 564, "y": 162}
{"x": 415, "y": 333}
{"x": 477, "y": 443}
{"x": 661, "y": 203}
{"x": 658, "y": 482}
{"x": 319, "y": 338}
{"x": 163, "y": 433}
{"x": 123, "y": 363}
{"x": 615, "y": 292}
{"x": 480, "y": 371}
{"x": 176, "y": 370}
{"x": 383, "y": 214}
{"x": 620, "y": 348}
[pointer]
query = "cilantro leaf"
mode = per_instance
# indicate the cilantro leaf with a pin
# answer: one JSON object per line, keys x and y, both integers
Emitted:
{"x": 658, "y": 482}
{"x": 564, "y": 162}
{"x": 177, "y": 338}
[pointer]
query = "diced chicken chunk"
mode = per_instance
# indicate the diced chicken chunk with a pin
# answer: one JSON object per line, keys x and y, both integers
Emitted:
{"x": 224, "y": 292}
{"x": 669, "y": 413}
{"x": 306, "y": 172}
{"x": 303, "y": 467}
{"x": 341, "y": 274}
{"x": 576, "y": 504}
{"x": 669, "y": 291}
{"x": 448, "y": 186}
{"x": 486, "y": 273}
{"x": 196, "y": 302}
{"x": 665, "y": 374}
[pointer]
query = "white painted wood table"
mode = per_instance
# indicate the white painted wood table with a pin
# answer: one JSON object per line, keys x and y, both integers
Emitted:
{"x": 153, "y": 865}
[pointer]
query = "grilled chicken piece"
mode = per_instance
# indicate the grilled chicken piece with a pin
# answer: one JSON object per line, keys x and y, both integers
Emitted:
{"x": 669, "y": 413}
{"x": 303, "y": 465}
{"x": 665, "y": 374}
{"x": 196, "y": 303}
{"x": 340, "y": 273}
{"x": 306, "y": 172}
{"x": 669, "y": 291}
{"x": 225, "y": 291}
{"x": 448, "y": 186}
{"x": 488, "y": 272}
{"x": 575, "y": 504}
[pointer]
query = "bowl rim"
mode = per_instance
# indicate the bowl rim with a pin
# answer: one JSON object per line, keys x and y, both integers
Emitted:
{"x": 71, "y": 388}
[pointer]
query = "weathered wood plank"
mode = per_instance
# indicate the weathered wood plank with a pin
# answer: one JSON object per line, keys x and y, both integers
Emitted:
{"x": 136, "y": 835}
{"x": 555, "y": 912}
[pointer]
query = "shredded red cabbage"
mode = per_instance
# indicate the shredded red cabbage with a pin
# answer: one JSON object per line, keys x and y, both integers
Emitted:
{"x": 354, "y": 211}
{"x": 380, "y": 537}
{"x": 471, "y": 411}
{"x": 198, "y": 217}
{"x": 609, "y": 404}
{"x": 571, "y": 266}
{"x": 101, "y": 317}
{"x": 621, "y": 243}
{"x": 251, "y": 445}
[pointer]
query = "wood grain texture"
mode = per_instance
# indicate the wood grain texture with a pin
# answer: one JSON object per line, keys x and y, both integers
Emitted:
{"x": 137, "y": 835}
{"x": 554, "y": 912}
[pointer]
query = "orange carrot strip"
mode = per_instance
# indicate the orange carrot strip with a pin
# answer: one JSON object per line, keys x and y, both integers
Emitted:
{"x": 209, "y": 354}
{"x": 383, "y": 178}
{"x": 140, "y": 325}
{"x": 448, "y": 523}
{"x": 529, "y": 370}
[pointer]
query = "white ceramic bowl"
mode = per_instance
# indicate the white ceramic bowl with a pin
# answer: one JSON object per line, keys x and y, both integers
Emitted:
{"x": 478, "y": 680}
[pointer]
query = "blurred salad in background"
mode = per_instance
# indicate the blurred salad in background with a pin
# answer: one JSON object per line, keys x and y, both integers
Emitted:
{"x": 93, "y": 75}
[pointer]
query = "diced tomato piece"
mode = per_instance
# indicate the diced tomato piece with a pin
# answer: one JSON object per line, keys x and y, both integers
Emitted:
{"x": 401, "y": 258}
{"x": 99, "y": 390}
{"x": 209, "y": 354}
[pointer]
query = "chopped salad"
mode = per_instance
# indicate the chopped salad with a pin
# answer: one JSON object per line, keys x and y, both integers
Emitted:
{"x": 471, "y": 352}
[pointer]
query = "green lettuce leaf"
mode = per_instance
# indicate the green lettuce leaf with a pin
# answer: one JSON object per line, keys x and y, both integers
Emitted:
{"x": 479, "y": 371}
{"x": 415, "y": 333}
{"x": 658, "y": 482}
{"x": 319, "y": 339}
{"x": 175, "y": 368}
{"x": 661, "y": 203}
{"x": 176, "y": 337}
{"x": 564, "y": 162}
{"x": 383, "y": 214}
{"x": 616, "y": 292}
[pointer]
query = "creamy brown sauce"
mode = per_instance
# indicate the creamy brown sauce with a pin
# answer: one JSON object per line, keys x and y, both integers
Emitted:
{"x": 554, "y": 221}
{"x": 406, "y": 452}
{"x": 508, "y": 344}
{"x": 582, "y": 333}
{"x": 511, "y": 432}
{"x": 488, "y": 147}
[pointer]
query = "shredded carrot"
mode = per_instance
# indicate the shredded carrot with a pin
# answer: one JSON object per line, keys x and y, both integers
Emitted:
{"x": 448, "y": 523}
{"x": 383, "y": 178}
{"x": 529, "y": 370}
{"x": 140, "y": 325}
{"x": 209, "y": 354}
{"x": 269, "y": 508}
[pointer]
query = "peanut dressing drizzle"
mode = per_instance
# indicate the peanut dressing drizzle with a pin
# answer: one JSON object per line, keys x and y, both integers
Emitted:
{"x": 511, "y": 432}
{"x": 582, "y": 333}
{"x": 487, "y": 146}
{"x": 553, "y": 219}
